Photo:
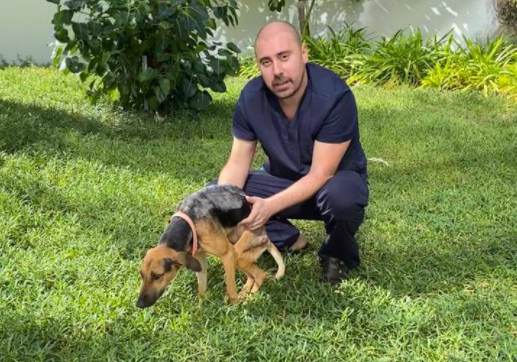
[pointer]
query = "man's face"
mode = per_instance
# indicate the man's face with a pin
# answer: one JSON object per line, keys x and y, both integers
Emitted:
{"x": 281, "y": 61}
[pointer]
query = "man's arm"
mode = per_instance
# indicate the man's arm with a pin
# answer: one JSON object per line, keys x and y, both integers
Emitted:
{"x": 236, "y": 169}
{"x": 325, "y": 160}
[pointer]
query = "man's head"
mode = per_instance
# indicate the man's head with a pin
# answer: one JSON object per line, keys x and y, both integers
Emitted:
{"x": 281, "y": 58}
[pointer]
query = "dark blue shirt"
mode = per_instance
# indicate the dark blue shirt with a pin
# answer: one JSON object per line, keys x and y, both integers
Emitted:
{"x": 327, "y": 113}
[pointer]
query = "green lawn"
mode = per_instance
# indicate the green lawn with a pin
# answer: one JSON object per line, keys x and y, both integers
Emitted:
{"x": 85, "y": 190}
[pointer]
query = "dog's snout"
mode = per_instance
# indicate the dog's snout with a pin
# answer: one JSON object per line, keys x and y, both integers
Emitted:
{"x": 143, "y": 302}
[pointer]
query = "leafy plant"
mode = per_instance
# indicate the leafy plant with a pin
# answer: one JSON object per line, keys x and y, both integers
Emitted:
{"x": 248, "y": 68}
{"x": 488, "y": 67}
{"x": 401, "y": 59}
{"x": 154, "y": 52}
{"x": 343, "y": 52}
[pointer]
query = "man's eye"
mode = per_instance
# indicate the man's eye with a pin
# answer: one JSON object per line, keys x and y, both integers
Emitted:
{"x": 285, "y": 57}
{"x": 266, "y": 63}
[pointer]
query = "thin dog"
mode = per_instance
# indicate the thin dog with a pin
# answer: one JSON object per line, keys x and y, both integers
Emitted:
{"x": 206, "y": 222}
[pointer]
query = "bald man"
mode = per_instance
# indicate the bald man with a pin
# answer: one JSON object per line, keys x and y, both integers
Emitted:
{"x": 305, "y": 118}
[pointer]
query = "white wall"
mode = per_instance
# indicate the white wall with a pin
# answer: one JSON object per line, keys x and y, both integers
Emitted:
{"x": 26, "y": 29}
{"x": 472, "y": 18}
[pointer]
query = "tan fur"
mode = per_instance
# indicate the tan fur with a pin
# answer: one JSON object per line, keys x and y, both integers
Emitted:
{"x": 217, "y": 241}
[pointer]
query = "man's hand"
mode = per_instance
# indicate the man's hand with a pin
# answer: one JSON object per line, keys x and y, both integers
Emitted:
{"x": 261, "y": 212}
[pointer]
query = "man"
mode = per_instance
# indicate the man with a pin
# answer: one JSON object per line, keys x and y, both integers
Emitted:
{"x": 305, "y": 118}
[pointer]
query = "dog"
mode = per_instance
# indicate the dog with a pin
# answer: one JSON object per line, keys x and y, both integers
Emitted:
{"x": 206, "y": 222}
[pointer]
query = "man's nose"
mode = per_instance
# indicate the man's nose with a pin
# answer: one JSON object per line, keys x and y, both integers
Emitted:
{"x": 277, "y": 68}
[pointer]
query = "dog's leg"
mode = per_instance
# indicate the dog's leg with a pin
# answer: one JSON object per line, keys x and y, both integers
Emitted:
{"x": 201, "y": 276}
{"x": 247, "y": 287}
{"x": 228, "y": 260}
{"x": 259, "y": 275}
{"x": 246, "y": 262}
{"x": 271, "y": 248}
{"x": 243, "y": 263}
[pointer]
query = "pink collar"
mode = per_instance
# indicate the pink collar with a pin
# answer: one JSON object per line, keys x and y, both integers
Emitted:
{"x": 194, "y": 233}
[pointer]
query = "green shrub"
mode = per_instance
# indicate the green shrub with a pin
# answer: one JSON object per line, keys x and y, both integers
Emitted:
{"x": 343, "y": 52}
{"x": 153, "y": 52}
{"x": 405, "y": 58}
{"x": 248, "y": 68}
{"x": 485, "y": 67}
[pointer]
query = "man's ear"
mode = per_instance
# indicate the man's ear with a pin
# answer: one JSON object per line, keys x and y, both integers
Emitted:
{"x": 189, "y": 262}
{"x": 305, "y": 53}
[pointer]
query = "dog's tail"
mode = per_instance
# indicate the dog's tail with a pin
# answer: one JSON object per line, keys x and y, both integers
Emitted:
{"x": 271, "y": 248}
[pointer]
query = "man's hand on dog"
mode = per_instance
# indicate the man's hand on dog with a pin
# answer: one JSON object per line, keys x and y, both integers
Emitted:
{"x": 261, "y": 212}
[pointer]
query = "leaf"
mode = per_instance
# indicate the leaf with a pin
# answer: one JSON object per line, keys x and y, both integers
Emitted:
{"x": 188, "y": 87}
{"x": 75, "y": 5}
{"x": 199, "y": 11}
{"x": 57, "y": 56}
{"x": 62, "y": 35}
{"x": 104, "y": 6}
{"x": 212, "y": 81}
{"x": 110, "y": 81}
{"x": 147, "y": 75}
{"x": 233, "y": 47}
{"x": 217, "y": 85}
{"x": 217, "y": 65}
{"x": 74, "y": 65}
{"x": 63, "y": 17}
{"x": 159, "y": 94}
{"x": 84, "y": 76}
{"x": 276, "y": 5}
{"x": 165, "y": 86}
{"x": 200, "y": 101}
{"x": 81, "y": 31}
{"x": 54, "y": 1}
{"x": 153, "y": 103}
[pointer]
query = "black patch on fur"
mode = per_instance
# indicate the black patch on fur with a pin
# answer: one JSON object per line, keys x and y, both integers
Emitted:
{"x": 178, "y": 235}
{"x": 167, "y": 264}
{"x": 230, "y": 218}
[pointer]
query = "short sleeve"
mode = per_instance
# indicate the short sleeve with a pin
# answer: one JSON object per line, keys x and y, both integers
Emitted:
{"x": 241, "y": 127}
{"x": 341, "y": 124}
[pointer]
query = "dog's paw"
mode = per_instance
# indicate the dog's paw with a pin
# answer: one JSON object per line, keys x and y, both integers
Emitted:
{"x": 244, "y": 293}
{"x": 233, "y": 301}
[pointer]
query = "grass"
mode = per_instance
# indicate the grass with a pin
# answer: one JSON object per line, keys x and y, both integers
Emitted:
{"x": 85, "y": 190}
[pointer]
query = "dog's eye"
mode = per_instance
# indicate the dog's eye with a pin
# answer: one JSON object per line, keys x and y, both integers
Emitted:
{"x": 156, "y": 276}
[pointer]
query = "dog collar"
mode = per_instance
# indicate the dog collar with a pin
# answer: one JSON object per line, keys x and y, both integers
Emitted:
{"x": 191, "y": 224}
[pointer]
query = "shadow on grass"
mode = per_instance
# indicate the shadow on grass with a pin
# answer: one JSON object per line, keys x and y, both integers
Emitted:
{"x": 178, "y": 146}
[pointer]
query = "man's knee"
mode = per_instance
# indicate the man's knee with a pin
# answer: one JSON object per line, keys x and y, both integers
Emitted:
{"x": 347, "y": 196}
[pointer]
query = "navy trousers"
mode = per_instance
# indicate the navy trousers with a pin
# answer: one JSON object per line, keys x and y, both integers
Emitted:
{"x": 340, "y": 204}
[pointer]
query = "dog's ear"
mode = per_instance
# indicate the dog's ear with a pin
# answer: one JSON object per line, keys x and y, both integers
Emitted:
{"x": 189, "y": 262}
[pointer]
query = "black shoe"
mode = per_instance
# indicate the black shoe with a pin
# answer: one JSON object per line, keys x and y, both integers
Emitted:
{"x": 334, "y": 270}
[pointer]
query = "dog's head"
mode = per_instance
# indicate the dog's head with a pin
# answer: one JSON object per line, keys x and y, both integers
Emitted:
{"x": 159, "y": 268}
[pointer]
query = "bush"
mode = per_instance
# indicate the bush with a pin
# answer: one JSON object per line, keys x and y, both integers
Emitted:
{"x": 153, "y": 52}
{"x": 343, "y": 52}
{"x": 405, "y": 58}
{"x": 488, "y": 67}
{"x": 248, "y": 68}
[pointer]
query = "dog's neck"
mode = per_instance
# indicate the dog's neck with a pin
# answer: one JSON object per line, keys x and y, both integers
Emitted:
{"x": 178, "y": 235}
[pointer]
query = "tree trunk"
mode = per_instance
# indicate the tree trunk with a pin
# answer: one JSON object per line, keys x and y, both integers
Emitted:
{"x": 303, "y": 19}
